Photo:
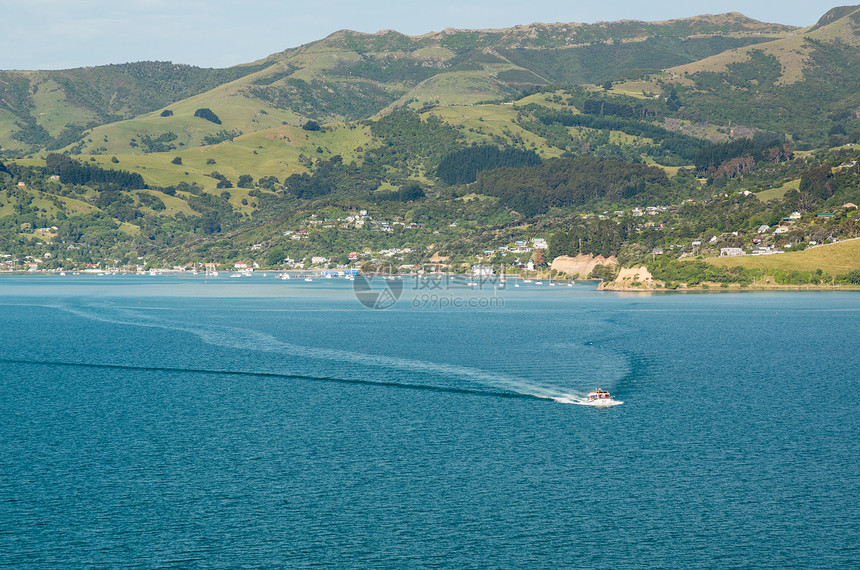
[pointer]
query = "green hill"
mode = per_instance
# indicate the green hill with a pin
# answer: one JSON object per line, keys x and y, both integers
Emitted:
{"x": 602, "y": 138}
{"x": 836, "y": 258}
{"x": 801, "y": 84}
{"x": 50, "y": 109}
{"x": 347, "y": 76}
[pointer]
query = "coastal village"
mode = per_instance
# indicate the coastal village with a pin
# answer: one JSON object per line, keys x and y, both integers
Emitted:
{"x": 527, "y": 255}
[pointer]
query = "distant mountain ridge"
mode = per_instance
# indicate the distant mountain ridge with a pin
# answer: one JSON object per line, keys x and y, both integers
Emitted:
{"x": 350, "y": 75}
{"x": 832, "y": 15}
{"x": 803, "y": 83}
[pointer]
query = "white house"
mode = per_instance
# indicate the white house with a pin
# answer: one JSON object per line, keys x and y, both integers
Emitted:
{"x": 765, "y": 250}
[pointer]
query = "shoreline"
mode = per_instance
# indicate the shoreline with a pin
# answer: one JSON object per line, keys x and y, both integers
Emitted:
{"x": 612, "y": 286}
{"x": 732, "y": 288}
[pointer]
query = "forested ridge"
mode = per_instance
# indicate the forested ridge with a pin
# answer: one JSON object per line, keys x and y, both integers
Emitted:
{"x": 564, "y": 182}
{"x": 71, "y": 171}
{"x": 463, "y": 166}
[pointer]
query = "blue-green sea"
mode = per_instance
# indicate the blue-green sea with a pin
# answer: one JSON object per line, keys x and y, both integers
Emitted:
{"x": 184, "y": 421}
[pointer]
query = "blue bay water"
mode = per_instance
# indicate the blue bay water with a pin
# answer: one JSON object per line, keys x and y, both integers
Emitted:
{"x": 177, "y": 421}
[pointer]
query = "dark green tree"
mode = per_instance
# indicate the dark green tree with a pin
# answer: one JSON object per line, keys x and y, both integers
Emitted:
{"x": 206, "y": 113}
{"x": 311, "y": 125}
{"x": 673, "y": 102}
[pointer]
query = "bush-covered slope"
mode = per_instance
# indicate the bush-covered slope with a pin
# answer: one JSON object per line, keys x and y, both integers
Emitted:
{"x": 803, "y": 85}
{"x": 50, "y": 109}
{"x": 348, "y": 76}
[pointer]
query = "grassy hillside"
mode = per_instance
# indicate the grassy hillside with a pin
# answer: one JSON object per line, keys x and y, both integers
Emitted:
{"x": 835, "y": 259}
{"x": 801, "y": 84}
{"x": 792, "y": 51}
{"x": 345, "y": 77}
{"x": 279, "y": 152}
{"x": 50, "y": 109}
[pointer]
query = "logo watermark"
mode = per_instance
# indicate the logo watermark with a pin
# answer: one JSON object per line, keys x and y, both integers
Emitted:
{"x": 377, "y": 291}
{"x": 445, "y": 282}
{"x": 440, "y": 302}
{"x": 442, "y": 291}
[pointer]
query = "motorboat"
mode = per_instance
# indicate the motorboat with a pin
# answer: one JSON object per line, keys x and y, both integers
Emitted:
{"x": 599, "y": 395}
{"x": 600, "y": 398}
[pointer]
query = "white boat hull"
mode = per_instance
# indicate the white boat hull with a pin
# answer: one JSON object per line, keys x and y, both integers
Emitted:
{"x": 602, "y": 403}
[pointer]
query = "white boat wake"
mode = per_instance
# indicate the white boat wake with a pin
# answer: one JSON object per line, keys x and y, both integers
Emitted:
{"x": 587, "y": 402}
{"x": 249, "y": 339}
{"x": 597, "y": 399}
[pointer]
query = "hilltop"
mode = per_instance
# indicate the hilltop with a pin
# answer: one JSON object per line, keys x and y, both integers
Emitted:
{"x": 348, "y": 76}
{"x": 801, "y": 83}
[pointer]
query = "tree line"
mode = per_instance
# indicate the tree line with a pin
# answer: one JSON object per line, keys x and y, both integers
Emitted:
{"x": 603, "y": 107}
{"x": 762, "y": 146}
{"x": 330, "y": 176}
{"x": 685, "y": 146}
{"x": 560, "y": 182}
{"x": 601, "y": 237}
{"x": 407, "y": 193}
{"x": 462, "y": 166}
{"x": 71, "y": 171}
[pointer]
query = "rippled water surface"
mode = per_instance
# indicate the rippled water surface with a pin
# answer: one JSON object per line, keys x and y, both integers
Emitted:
{"x": 182, "y": 421}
